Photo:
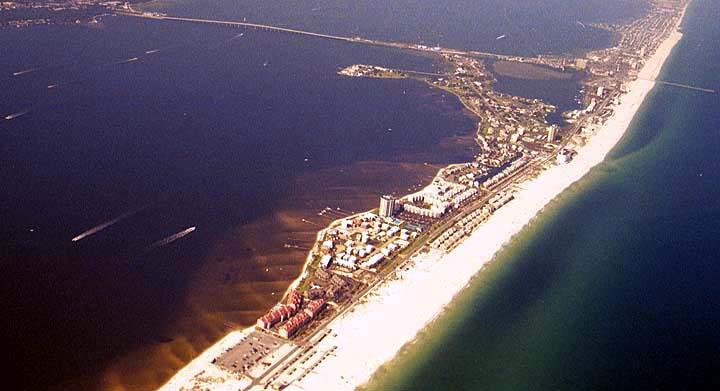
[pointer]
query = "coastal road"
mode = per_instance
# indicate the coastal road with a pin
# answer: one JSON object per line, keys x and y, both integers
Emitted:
{"x": 512, "y": 179}
{"x": 502, "y": 186}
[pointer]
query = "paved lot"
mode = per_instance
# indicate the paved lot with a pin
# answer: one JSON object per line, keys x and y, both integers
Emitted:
{"x": 256, "y": 349}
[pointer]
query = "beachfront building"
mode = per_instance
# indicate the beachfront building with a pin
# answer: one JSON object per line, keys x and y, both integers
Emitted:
{"x": 437, "y": 198}
{"x": 292, "y": 326}
{"x": 315, "y": 307}
{"x": 564, "y": 156}
{"x": 387, "y": 206}
{"x": 507, "y": 171}
{"x": 294, "y": 300}
{"x": 279, "y": 313}
{"x": 374, "y": 260}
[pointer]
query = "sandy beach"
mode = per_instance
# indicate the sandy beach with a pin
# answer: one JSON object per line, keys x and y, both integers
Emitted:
{"x": 376, "y": 329}
{"x": 379, "y": 328}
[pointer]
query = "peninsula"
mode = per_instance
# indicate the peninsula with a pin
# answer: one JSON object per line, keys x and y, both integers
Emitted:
{"x": 365, "y": 274}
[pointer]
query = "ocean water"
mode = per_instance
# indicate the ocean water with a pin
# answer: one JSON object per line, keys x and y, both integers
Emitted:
{"x": 615, "y": 285}
{"x": 159, "y": 127}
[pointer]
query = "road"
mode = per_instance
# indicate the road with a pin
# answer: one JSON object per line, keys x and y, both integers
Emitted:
{"x": 357, "y": 40}
{"x": 433, "y": 233}
{"x": 513, "y": 178}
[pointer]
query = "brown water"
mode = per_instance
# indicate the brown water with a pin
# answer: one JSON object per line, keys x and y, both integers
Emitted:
{"x": 248, "y": 270}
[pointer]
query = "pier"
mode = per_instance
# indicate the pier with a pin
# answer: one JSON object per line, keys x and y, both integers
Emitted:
{"x": 679, "y": 85}
{"x": 669, "y": 83}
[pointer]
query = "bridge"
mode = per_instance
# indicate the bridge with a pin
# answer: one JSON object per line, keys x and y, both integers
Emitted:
{"x": 364, "y": 41}
{"x": 357, "y": 40}
{"x": 256, "y": 26}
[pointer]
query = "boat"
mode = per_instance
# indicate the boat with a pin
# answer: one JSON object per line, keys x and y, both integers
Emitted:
{"x": 13, "y": 116}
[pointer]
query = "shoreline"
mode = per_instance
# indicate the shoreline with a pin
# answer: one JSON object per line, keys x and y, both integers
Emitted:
{"x": 436, "y": 279}
{"x": 377, "y": 328}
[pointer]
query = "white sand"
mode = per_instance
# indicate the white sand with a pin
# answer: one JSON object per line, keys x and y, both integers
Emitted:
{"x": 372, "y": 334}
{"x": 377, "y": 329}
{"x": 201, "y": 370}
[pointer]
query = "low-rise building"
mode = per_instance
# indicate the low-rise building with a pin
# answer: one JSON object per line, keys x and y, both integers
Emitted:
{"x": 294, "y": 324}
{"x": 314, "y": 307}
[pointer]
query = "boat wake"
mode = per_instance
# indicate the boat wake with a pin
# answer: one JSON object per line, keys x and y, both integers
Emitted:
{"x": 236, "y": 37}
{"x": 133, "y": 59}
{"x": 18, "y": 73}
{"x": 96, "y": 229}
{"x": 171, "y": 238}
{"x": 16, "y": 115}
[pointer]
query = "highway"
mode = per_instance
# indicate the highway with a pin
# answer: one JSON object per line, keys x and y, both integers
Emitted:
{"x": 358, "y": 40}
{"x": 240, "y": 24}
{"x": 364, "y": 41}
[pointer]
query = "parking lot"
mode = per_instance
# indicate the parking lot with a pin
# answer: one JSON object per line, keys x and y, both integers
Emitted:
{"x": 256, "y": 350}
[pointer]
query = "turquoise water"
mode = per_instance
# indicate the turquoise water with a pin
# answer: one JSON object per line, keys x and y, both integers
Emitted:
{"x": 615, "y": 285}
{"x": 189, "y": 125}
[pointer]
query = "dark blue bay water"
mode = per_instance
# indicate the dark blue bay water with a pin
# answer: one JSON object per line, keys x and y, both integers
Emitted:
{"x": 530, "y": 27}
{"x": 215, "y": 131}
{"x": 615, "y": 285}
{"x": 564, "y": 94}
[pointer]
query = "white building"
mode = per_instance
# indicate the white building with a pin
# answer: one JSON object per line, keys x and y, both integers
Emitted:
{"x": 325, "y": 261}
{"x": 551, "y": 133}
{"x": 374, "y": 260}
{"x": 387, "y": 206}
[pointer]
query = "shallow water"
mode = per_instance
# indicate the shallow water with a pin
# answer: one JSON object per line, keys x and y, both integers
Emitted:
{"x": 181, "y": 126}
{"x": 613, "y": 287}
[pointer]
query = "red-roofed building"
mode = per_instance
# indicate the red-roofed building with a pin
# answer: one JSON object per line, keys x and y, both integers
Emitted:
{"x": 277, "y": 314}
{"x": 294, "y": 300}
{"x": 315, "y": 307}
{"x": 293, "y": 325}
